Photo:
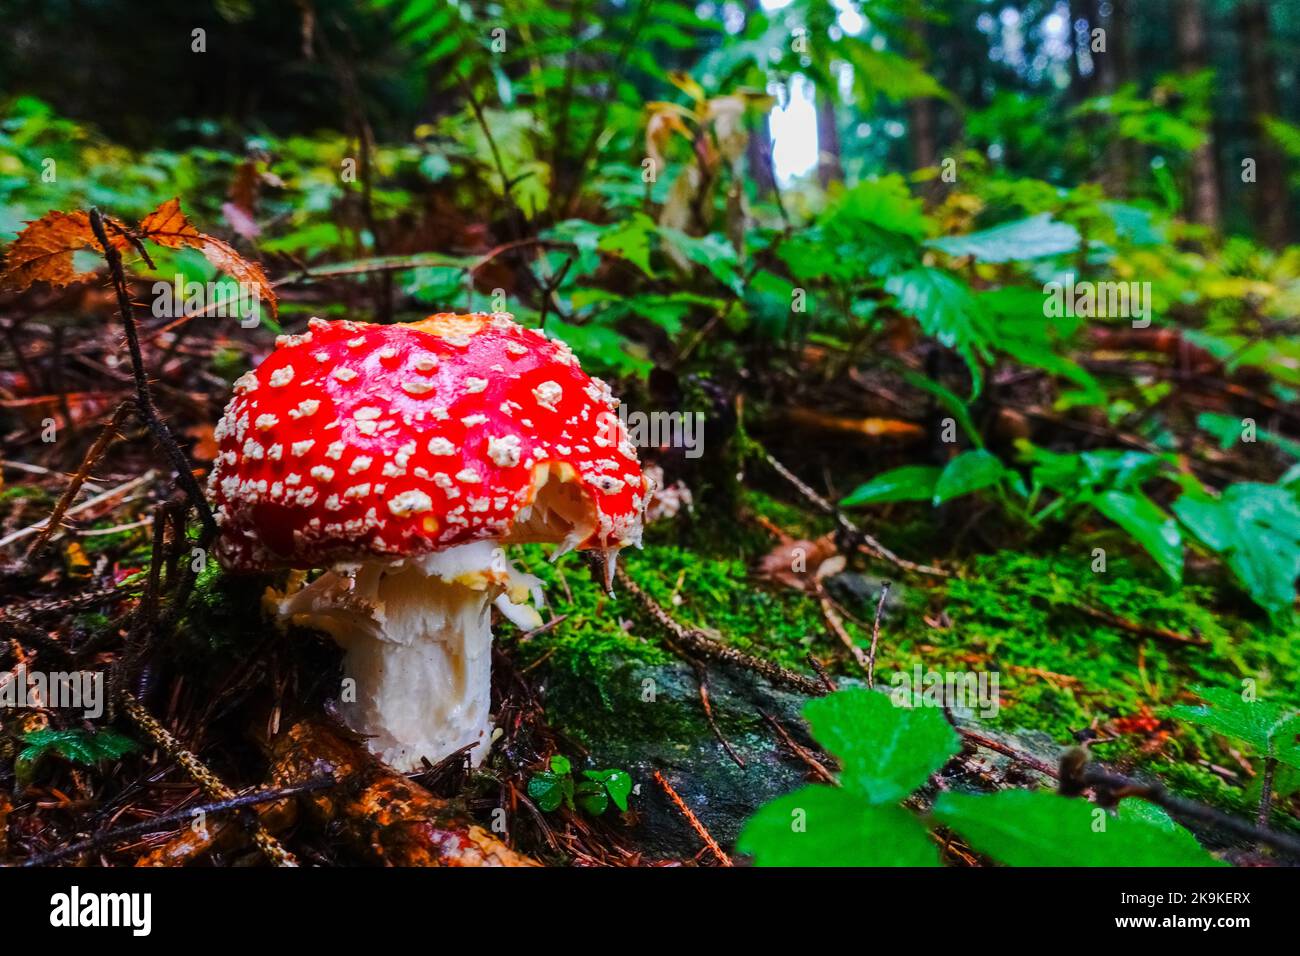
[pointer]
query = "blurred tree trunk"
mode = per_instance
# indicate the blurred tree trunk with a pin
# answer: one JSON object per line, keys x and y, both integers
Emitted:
{"x": 758, "y": 156}
{"x": 1114, "y": 69}
{"x": 925, "y": 146}
{"x": 830, "y": 166}
{"x": 1269, "y": 190}
{"x": 1190, "y": 26}
{"x": 758, "y": 151}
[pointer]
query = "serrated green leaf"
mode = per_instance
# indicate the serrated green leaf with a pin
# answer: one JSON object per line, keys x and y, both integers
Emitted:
{"x": 1255, "y": 528}
{"x": 1268, "y": 728}
{"x": 1036, "y": 828}
{"x": 944, "y": 307}
{"x": 885, "y": 751}
{"x": 825, "y": 826}
{"x": 630, "y": 240}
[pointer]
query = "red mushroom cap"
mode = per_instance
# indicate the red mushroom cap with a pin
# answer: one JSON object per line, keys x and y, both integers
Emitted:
{"x": 353, "y": 441}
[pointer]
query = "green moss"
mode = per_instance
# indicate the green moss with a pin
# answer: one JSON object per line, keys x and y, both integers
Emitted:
{"x": 33, "y": 496}
{"x": 1013, "y": 613}
{"x": 715, "y": 594}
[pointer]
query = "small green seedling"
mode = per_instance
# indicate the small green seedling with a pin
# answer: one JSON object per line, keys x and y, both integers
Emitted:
{"x": 77, "y": 746}
{"x": 593, "y": 794}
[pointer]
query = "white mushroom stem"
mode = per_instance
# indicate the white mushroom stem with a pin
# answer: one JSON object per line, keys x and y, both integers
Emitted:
{"x": 418, "y": 640}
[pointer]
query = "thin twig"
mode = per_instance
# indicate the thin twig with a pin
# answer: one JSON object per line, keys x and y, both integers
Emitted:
{"x": 702, "y": 679}
{"x": 836, "y": 623}
{"x": 803, "y": 753}
{"x": 86, "y": 505}
{"x": 1117, "y": 786}
{"x": 875, "y": 635}
{"x": 1266, "y": 790}
{"x": 144, "y": 405}
{"x": 863, "y": 540}
{"x": 693, "y": 820}
{"x": 699, "y": 643}
{"x": 97, "y": 448}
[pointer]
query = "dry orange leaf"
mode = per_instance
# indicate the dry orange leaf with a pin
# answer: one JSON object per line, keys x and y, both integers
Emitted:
{"x": 168, "y": 227}
{"x": 43, "y": 251}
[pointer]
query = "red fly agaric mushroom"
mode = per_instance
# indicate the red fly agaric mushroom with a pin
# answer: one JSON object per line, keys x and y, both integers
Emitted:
{"x": 401, "y": 459}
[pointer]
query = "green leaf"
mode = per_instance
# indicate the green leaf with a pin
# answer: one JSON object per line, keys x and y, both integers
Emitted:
{"x": 560, "y": 764}
{"x": 1255, "y": 528}
{"x": 77, "y": 746}
{"x": 630, "y": 240}
{"x": 968, "y": 472}
{"x": 618, "y": 783}
{"x": 886, "y": 751}
{"x": 713, "y": 252}
{"x": 946, "y": 310}
{"x": 1036, "y": 828}
{"x": 824, "y": 826}
{"x": 1031, "y": 238}
{"x": 1149, "y": 525}
{"x": 546, "y": 790}
{"x": 1268, "y": 728}
{"x": 908, "y": 483}
{"x": 592, "y": 798}
{"x": 959, "y": 409}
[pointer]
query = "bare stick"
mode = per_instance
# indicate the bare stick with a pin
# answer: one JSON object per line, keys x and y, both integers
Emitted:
{"x": 1120, "y": 786}
{"x": 803, "y": 753}
{"x": 1266, "y": 790}
{"x": 836, "y": 624}
{"x": 86, "y": 505}
{"x": 693, "y": 820}
{"x": 697, "y": 642}
{"x": 97, "y": 448}
{"x": 144, "y": 405}
{"x": 875, "y": 636}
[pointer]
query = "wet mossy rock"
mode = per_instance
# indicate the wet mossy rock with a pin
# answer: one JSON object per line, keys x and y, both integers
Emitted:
{"x": 643, "y": 717}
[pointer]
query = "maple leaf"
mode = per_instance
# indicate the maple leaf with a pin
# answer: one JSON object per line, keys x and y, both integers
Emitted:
{"x": 168, "y": 227}
{"x": 43, "y": 251}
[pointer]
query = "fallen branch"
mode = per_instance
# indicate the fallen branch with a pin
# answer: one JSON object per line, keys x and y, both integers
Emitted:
{"x": 875, "y": 636}
{"x": 144, "y": 405}
{"x": 697, "y": 642}
{"x": 208, "y": 781}
{"x": 693, "y": 820}
{"x": 1135, "y": 627}
{"x": 803, "y": 753}
{"x": 1113, "y": 786}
